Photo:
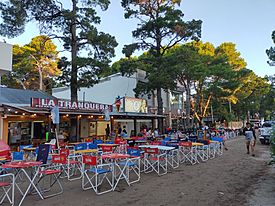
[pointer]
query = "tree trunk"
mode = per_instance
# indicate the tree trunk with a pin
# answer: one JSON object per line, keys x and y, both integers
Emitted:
{"x": 188, "y": 104}
{"x": 74, "y": 55}
{"x": 40, "y": 79}
{"x": 73, "y": 85}
{"x": 160, "y": 110}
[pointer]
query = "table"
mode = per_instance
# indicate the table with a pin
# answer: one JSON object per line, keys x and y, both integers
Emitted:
{"x": 197, "y": 144}
{"x": 20, "y": 167}
{"x": 160, "y": 147}
{"x": 29, "y": 153}
{"x": 75, "y": 143}
{"x": 122, "y": 167}
{"x": 112, "y": 145}
{"x": 84, "y": 151}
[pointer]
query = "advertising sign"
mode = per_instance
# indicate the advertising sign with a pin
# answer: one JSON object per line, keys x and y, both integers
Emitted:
{"x": 67, "y": 104}
{"x": 135, "y": 105}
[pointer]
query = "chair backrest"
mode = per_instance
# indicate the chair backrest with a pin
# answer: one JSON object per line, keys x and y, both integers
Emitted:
{"x": 43, "y": 153}
{"x": 64, "y": 151}
{"x": 17, "y": 156}
{"x": 98, "y": 141}
{"x": 118, "y": 140}
{"x": 185, "y": 144}
{"x": 109, "y": 142}
{"x": 81, "y": 146}
{"x": 151, "y": 150}
{"x": 156, "y": 143}
{"x": 167, "y": 139}
{"x": 92, "y": 146}
{"x": 52, "y": 142}
{"x": 89, "y": 160}
{"x": 107, "y": 148}
{"x": 21, "y": 147}
{"x": 219, "y": 139}
{"x": 133, "y": 152}
{"x": 59, "y": 159}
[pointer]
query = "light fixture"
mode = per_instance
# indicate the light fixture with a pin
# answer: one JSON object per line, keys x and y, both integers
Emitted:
{"x": 67, "y": 115}
{"x": 79, "y": 116}
{"x": 15, "y": 112}
{"x": 92, "y": 116}
{"x": 34, "y": 114}
{"x": 23, "y": 114}
{"x": 9, "y": 110}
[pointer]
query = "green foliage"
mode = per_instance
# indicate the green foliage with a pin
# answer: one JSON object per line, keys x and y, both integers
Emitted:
{"x": 75, "y": 26}
{"x": 271, "y": 52}
{"x": 198, "y": 65}
{"x": 228, "y": 50}
{"x": 34, "y": 62}
{"x": 161, "y": 27}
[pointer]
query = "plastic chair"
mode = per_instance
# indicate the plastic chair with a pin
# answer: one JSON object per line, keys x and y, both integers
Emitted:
{"x": 187, "y": 153}
{"x": 96, "y": 175}
{"x": 54, "y": 173}
{"x": 7, "y": 183}
{"x": 155, "y": 161}
{"x": 17, "y": 156}
{"x": 43, "y": 153}
{"x": 81, "y": 146}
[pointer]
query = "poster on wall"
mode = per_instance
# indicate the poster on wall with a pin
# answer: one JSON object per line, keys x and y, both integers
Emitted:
{"x": 135, "y": 105}
{"x": 92, "y": 130}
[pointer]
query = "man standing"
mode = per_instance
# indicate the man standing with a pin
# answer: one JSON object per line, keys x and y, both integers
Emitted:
{"x": 249, "y": 134}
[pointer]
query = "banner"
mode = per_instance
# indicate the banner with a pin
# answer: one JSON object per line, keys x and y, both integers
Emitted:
{"x": 135, "y": 105}
{"x": 55, "y": 115}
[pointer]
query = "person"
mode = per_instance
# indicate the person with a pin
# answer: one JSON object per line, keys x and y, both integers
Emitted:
{"x": 119, "y": 130}
{"x": 156, "y": 133}
{"x": 249, "y": 133}
{"x": 107, "y": 131}
{"x": 124, "y": 130}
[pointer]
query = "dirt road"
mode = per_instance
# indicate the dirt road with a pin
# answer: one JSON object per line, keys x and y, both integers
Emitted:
{"x": 231, "y": 179}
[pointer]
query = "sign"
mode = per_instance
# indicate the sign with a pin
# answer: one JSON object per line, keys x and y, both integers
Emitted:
{"x": 6, "y": 58}
{"x": 55, "y": 115}
{"x": 135, "y": 105}
{"x": 67, "y": 104}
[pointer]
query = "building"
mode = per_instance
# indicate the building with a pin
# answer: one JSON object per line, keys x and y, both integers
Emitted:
{"x": 25, "y": 116}
{"x": 123, "y": 86}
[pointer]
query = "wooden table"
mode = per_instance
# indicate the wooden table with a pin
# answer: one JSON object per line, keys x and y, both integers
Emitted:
{"x": 85, "y": 151}
{"x": 197, "y": 144}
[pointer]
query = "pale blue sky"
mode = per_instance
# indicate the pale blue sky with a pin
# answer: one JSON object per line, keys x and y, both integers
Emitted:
{"x": 247, "y": 23}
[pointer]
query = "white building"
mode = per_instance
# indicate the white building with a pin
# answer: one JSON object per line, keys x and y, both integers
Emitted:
{"x": 117, "y": 85}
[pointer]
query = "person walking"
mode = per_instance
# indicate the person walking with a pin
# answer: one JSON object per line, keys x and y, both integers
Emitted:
{"x": 250, "y": 138}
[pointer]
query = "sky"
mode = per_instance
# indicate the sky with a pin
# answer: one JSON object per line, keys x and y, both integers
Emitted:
{"x": 247, "y": 23}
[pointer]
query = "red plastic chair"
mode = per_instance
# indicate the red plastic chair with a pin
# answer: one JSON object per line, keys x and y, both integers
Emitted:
{"x": 95, "y": 175}
{"x": 155, "y": 161}
{"x": 7, "y": 185}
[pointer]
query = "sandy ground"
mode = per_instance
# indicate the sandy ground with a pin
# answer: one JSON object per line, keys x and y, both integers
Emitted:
{"x": 234, "y": 178}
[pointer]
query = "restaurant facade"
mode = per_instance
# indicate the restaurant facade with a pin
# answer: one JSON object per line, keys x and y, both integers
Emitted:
{"x": 26, "y": 117}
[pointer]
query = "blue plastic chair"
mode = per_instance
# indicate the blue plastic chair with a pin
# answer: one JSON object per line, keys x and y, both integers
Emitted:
{"x": 92, "y": 146}
{"x": 17, "y": 156}
{"x": 98, "y": 141}
{"x": 81, "y": 146}
{"x": 134, "y": 152}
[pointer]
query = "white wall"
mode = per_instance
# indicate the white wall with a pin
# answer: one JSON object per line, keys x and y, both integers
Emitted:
{"x": 104, "y": 92}
{"x": 5, "y": 57}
